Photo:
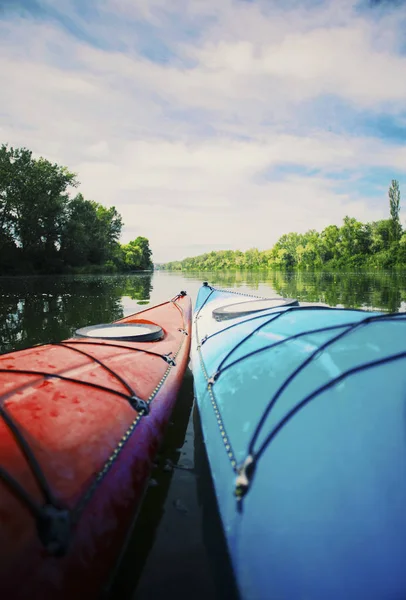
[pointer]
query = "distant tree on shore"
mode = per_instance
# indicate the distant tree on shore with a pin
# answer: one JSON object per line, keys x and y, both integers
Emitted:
{"x": 137, "y": 254}
{"x": 394, "y": 206}
{"x": 381, "y": 244}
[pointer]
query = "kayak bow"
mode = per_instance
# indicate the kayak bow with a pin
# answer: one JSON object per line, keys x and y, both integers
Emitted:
{"x": 302, "y": 411}
{"x": 80, "y": 422}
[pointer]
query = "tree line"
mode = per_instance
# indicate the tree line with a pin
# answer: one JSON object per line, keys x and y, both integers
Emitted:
{"x": 380, "y": 244}
{"x": 45, "y": 230}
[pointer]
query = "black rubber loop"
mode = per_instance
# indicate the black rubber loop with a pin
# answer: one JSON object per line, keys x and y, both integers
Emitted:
{"x": 139, "y": 405}
{"x": 169, "y": 359}
{"x": 181, "y": 294}
{"x": 54, "y": 530}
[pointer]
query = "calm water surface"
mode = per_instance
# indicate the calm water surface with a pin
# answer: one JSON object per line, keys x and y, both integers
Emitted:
{"x": 41, "y": 309}
{"x": 176, "y": 548}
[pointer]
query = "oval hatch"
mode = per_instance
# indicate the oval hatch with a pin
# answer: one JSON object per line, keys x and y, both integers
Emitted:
{"x": 128, "y": 332}
{"x": 232, "y": 311}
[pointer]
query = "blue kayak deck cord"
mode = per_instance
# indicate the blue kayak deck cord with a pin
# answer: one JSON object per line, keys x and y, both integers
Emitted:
{"x": 246, "y": 470}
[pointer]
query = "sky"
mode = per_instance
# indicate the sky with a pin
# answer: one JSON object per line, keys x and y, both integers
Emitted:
{"x": 212, "y": 124}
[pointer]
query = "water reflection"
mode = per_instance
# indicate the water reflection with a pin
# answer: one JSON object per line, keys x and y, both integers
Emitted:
{"x": 382, "y": 290}
{"x": 42, "y": 309}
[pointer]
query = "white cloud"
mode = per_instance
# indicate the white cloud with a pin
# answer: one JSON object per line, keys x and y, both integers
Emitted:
{"x": 207, "y": 193}
{"x": 179, "y": 148}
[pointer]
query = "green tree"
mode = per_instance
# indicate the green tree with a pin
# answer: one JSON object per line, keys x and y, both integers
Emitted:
{"x": 146, "y": 253}
{"x": 355, "y": 241}
{"x": 394, "y": 207}
{"x": 32, "y": 204}
{"x": 380, "y": 235}
{"x": 288, "y": 243}
{"x": 8, "y": 248}
{"x": 43, "y": 229}
{"x": 91, "y": 232}
{"x": 252, "y": 259}
{"x": 329, "y": 243}
{"x": 132, "y": 256}
{"x": 77, "y": 234}
{"x": 402, "y": 251}
{"x": 135, "y": 256}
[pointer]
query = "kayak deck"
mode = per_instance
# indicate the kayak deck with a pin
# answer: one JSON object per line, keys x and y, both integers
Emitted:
{"x": 81, "y": 422}
{"x": 302, "y": 415}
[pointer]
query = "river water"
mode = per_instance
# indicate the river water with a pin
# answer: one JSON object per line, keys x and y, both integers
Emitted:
{"x": 176, "y": 548}
{"x": 41, "y": 309}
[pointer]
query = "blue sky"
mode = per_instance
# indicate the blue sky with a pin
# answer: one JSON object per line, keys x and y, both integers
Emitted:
{"x": 212, "y": 124}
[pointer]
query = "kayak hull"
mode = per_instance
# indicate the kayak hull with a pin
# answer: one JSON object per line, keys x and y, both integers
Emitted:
{"x": 94, "y": 448}
{"x": 322, "y": 515}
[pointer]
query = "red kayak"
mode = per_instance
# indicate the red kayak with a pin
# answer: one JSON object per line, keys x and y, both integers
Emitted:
{"x": 80, "y": 422}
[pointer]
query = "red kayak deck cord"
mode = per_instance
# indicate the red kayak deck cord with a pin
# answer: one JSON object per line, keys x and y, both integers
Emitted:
{"x": 54, "y": 520}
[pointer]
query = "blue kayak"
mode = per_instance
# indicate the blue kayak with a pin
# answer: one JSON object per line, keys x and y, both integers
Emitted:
{"x": 303, "y": 411}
